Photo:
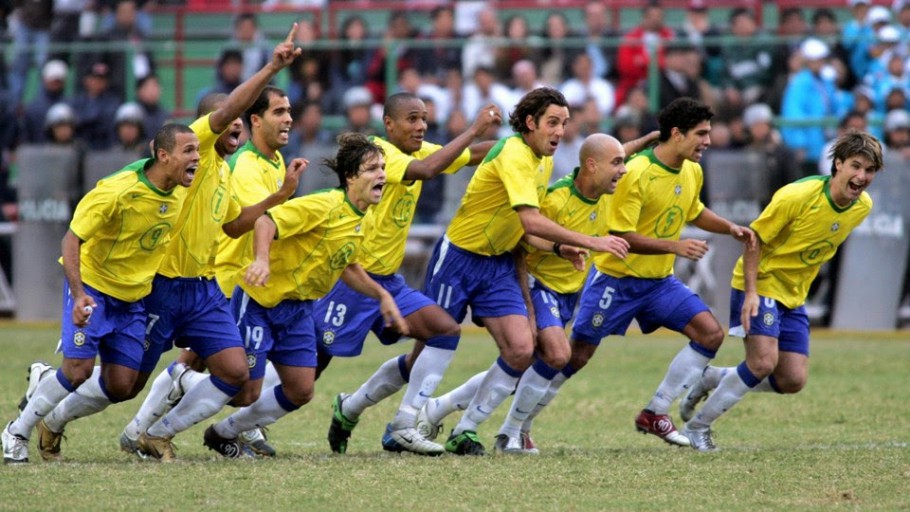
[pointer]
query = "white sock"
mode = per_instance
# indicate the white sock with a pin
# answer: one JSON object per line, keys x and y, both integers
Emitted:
{"x": 495, "y": 388}
{"x": 455, "y": 400}
{"x": 426, "y": 375}
{"x": 532, "y": 387}
{"x": 201, "y": 402}
{"x": 191, "y": 378}
{"x": 764, "y": 387}
{"x": 685, "y": 367}
{"x": 385, "y": 382}
{"x": 155, "y": 405}
{"x": 712, "y": 375}
{"x": 548, "y": 397}
{"x": 47, "y": 395}
{"x": 729, "y": 392}
{"x": 261, "y": 413}
{"x": 88, "y": 399}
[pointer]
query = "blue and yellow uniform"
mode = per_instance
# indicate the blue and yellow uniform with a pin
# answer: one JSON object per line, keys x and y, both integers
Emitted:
{"x": 655, "y": 201}
{"x": 254, "y": 177}
{"x": 126, "y": 224}
{"x": 556, "y": 284}
{"x": 344, "y": 317}
{"x": 186, "y": 304}
{"x": 472, "y": 264}
{"x": 800, "y": 230}
{"x": 318, "y": 236}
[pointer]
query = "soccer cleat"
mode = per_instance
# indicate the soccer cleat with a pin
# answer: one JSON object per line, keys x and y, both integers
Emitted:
{"x": 426, "y": 428}
{"x": 160, "y": 448}
{"x": 257, "y": 442}
{"x": 465, "y": 443}
{"x": 527, "y": 444}
{"x": 341, "y": 427}
{"x": 229, "y": 448}
{"x": 49, "y": 443}
{"x": 131, "y": 446}
{"x": 698, "y": 392}
{"x": 15, "y": 447}
{"x": 508, "y": 445}
{"x": 36, "y": 371}
{"x": 700, "y": 439}
{"x": 661, "y": 425}
{"x": 409, "y": 440}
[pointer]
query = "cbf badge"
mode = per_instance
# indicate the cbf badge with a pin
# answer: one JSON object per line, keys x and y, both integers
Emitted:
{"x": 554, "y": 311}
{"x": 768, "y": 319}
{"x": 79, "y": 338}
{"x": 597, "y": 320}
{"x": 251, "y": 360}
{"x": 328, "y": 338}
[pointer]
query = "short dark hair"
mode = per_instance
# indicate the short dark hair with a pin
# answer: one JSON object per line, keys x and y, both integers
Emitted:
{"x": 683, "y": 114}
{"x": 261, "y": 104}
{"x": 245, "y": 16}
{"x": 534, "y": 104}
{"x": 166, "y": 138}
{"x": 394, "y": 102}
{"x": 823, "y": 13}
{"x": 740, "y": 11}
{"x": 854, "y": 143}
{"x": 353, "y": 150}
{"x": 209, "y": 103}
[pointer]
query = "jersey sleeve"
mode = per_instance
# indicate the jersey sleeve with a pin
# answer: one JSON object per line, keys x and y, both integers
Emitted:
{"x": 520, "y": 187}
{"x": 625, "y": 206}
{"x": 781, "y": 211}
{"x": 300, "y": 215}
{"x": 203, "y": 130}
{"x": 93, "y": 212}
{"x": 463, "y": 159}
{"x": 396, "y": 162}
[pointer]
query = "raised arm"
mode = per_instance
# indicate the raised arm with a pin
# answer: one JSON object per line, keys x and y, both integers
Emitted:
{"x": 249, "y": 214}
{"x": 634, "y": 146}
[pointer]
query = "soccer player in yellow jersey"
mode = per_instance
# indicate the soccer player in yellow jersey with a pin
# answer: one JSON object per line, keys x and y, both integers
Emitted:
{"x": 345, "y": 317}
{"x": 658, "y": 196}
{"x": 301, "y": 249}
{"x": 797, "y": 233}
{"x": 117, "y": 238}
{"x": 472, "y": 264}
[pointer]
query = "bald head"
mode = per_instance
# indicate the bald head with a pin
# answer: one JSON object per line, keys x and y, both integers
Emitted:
{"x": 599, "y": 146}
{"x": 602, "y": 164}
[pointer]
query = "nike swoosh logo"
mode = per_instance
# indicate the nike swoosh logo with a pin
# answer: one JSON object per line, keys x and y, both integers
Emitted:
{"x": 519, "y": 411}
{"x": 481, "y": 411}
{"x": 406, "y": 439}
{"x": 424, "y": 395}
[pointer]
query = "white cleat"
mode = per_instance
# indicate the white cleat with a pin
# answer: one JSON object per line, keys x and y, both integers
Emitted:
{"x": 698, "y": 392}
{"x": 15, "y": 447}
{"x": 508, "y": 445}
{"x": 36, "y": 372}
{"x": 426, "y": 428}
{"x": 700, "y": 439}
{"x": 409, "y": 439}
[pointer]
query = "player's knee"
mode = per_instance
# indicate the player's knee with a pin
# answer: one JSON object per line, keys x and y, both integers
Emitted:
{"x": 246, "y": 397}
{"x": 581, "y": 354}
{"x": 556, "y": 359}
{"x": 762, "y": 367}
{"x": 519, "y": 358}
{"x": 448, "y": 327}
{"x": 299, "y": 395}
{"x": 713, "y": 338}
{"x": 791, "y": 384}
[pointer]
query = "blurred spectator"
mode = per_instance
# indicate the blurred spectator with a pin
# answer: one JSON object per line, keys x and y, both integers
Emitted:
{"x": 53, "y": 85}
{"x": 867, "y": 48}
{"x": 358, "y": 103}
{"x": 626, "y": 128}
{"x": 591, "y": 120}
{"x": 129, "y": 126}
{"x": 792, "y": 29}
{"x": 409, "y": 81}
{"x": 484, "y": 89}
{"x": 255, "y": 50}
{"x": 852, "y": 121}
{"x": 639, "y": 46}
{"x": 863, "y": 103}
{"x": 95, "y": 108}
{"x": 746, "y": 66}
{"x": 307, "y": 135}
{"x": 565, "y": 159}
{"x": 400, "y": 31}
{"x": 695, "y": 28}
{"x": 675, "y": 80}
{"x": 887, "y": 71}
{"x": 310, "y": 74}
{"x": 434, "y": 62}
{"x": 896, "y": 99}
{"x": 555, "y": 58}
{"x": 228, "y": 73}
{"x": 109, "y": 14}
{"x": 762, "y": 137}
{"x": 524, "y": 77}
{"x": 65, "y": 26}
{"x": 350, "y": 61}
{"x": 855, "y": 29}
{"x": 809, "y": 96}
{"x": 29, "y": 26}
{"x": 479, "y": 51}
{"x": 897, "y": 133}
{"x": 584, "y": 85}
{"x": 597, "y": 29}
{"x": 637, "y": 106}
{"x": 826, "y": 28}
{"x": 433, "y": 193}
{"x": 901, "y": 9}
{"x": 127, "y": 53}
{"x": 517, "y": 46}
{"x": 60, "y": 124}
{"x": 148, "y": 96}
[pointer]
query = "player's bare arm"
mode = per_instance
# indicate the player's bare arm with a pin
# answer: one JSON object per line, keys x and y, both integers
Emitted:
{"x": 751, "y": 258}
{"x": 257, "y": 274}
{"x": 83, "y": 304}
{"x": 634, "y": 146}
{"x": 537, "y": 225}
{"x": 714, "y": 223}
{"x": 576, "y": 255}
{"x": 249, "y": 214}
{"x": 356, "y": 277}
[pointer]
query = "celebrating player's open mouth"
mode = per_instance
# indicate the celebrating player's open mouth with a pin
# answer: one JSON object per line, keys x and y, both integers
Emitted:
{"x": 189, "y": 173}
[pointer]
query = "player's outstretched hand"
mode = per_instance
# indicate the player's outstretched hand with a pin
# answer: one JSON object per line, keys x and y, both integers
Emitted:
{"x": 744, "y": 235}
{"x": 691, "y": 249}
{"x": 614, "y": 245}
{"x": 257, "y": 274}
{"x": 576, "y": 255}
{"x": 488, "y": 117}
{"x": 749, "y": 310}
{"x": 391, "y": 316}
{"x": 83, "y": 307}
{"x": 285, "y": 53}
{"x": 292, "y": 176}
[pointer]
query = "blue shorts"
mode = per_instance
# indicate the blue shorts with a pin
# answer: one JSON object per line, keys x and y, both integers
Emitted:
{"x": 552, "y": 309}
{"x": 457, "y": 278}
{"x": 608, "y": 305}
{"x": 192, "y": 312}
{"x": 790, "y": 327}
{"x": 116, "y": 330}
{"x": 284, "y": 334}
{"x": 344, "y": 316}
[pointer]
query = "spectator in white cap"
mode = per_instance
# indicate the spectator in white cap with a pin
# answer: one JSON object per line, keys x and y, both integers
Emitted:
{"x": 53, "y": 87}
{"x": 358, "y": 102}
{"x": 864, "y": 53}
{"x": 129, "y": 123}
{"x": 897, "y": 132}
{"x": 809, "y": 96}
{"x": 763, "y": 138}
{"x": 887, "y": 71}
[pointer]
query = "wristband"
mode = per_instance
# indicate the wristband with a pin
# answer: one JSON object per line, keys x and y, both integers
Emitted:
{"x": 556, "y": 246}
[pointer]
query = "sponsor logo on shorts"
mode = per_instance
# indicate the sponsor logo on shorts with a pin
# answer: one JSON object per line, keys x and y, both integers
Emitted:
{"x": 597, "y": 320}
{"x": 251, "y": 360}
{"x": 328, "y": 338}
{"x": 768, "y": 319}
{"x": 79, "y": 338}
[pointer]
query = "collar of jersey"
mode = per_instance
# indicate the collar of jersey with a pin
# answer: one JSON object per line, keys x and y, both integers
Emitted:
{"x": 274, "y": 162}
{"x": 352, "y": 205}
{"x": 574, "y": 190}
{"x": 826, "y": 187}
{"x": 145, "y": 179}
{"x": 654, "y": 160}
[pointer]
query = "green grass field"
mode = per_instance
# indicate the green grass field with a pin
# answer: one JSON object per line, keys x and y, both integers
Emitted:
{"x": 844, "y": 442}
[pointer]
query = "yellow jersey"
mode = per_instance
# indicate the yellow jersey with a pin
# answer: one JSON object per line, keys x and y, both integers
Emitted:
{"x": 566, "y": 206}
{"x": 126, "y": 224}
{"x": 318, "y": 236}
{"x": 655, "y": 201}
{"x": 800, "y": 230}
{"x": 511, "y": 175}
{"x": 208, "y": 205}
{"x": 254, "y": 177}
{"x": 383, "y": 249}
